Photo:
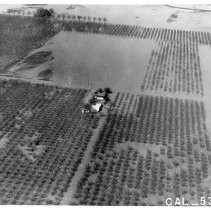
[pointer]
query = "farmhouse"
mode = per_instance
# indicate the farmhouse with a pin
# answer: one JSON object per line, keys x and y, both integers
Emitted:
{"x": 97, "y": 107}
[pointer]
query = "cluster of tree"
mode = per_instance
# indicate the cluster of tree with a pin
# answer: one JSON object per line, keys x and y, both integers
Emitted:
{"x": 44, "y": 13}
{"x": 81, "y": 18}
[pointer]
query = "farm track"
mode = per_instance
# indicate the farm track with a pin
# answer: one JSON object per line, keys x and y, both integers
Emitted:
{"x": 68, "y": 197}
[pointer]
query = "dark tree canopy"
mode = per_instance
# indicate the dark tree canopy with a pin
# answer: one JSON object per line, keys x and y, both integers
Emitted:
{"x": 87, "y": 106}
{"x": 51, "y": 11}
{"x": 44, "y": 13}
{"x": 108, "y": 90}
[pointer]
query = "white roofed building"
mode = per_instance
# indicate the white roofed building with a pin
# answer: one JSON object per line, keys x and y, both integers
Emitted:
{"x": 96, "y": 107}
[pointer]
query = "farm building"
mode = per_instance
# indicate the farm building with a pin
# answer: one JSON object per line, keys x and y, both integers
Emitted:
{"x": 25, "y": 11}
{"x": 97, "y": 107}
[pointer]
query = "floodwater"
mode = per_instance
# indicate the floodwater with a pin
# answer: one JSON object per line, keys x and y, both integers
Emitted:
{"x": 83, "y": 60}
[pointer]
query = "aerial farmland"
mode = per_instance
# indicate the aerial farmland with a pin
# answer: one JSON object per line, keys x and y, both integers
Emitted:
{"x": 151, "y": 147}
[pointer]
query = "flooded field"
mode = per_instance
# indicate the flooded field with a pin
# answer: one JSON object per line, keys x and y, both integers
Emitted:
{"x": 153, "y": 143}
{"x": 81, "y": 59}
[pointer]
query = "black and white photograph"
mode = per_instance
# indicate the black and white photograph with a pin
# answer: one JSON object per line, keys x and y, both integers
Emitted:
{"x": 105, "y": 104}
